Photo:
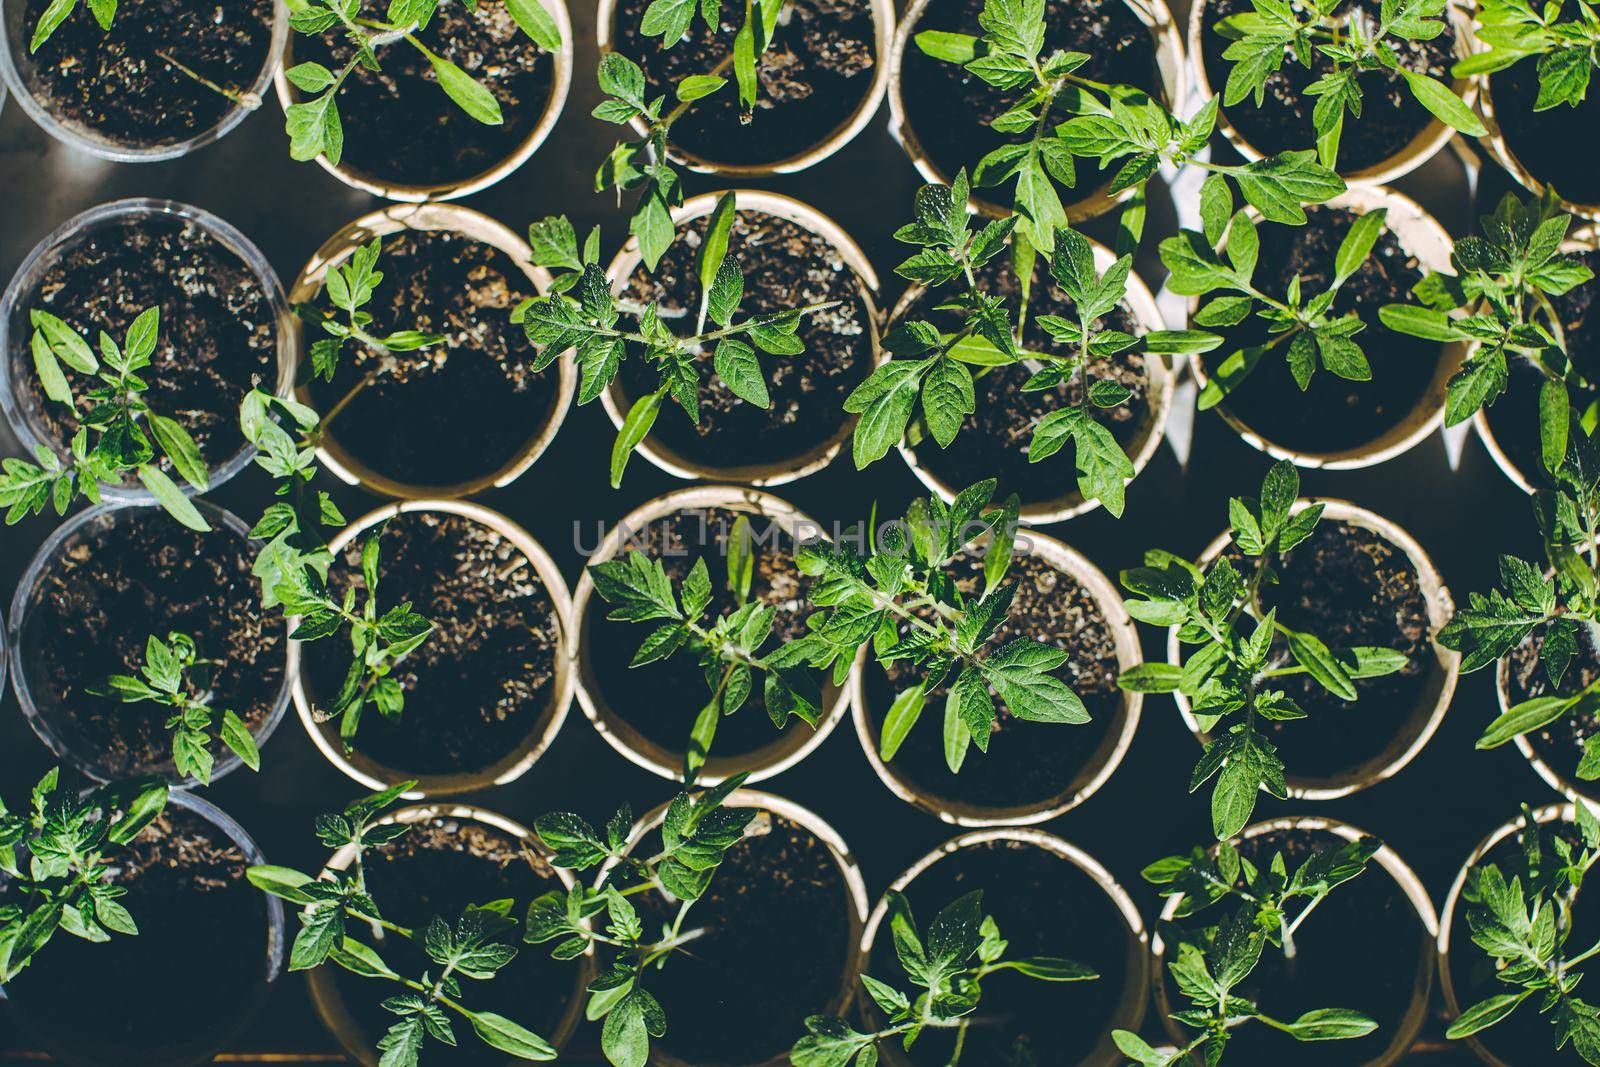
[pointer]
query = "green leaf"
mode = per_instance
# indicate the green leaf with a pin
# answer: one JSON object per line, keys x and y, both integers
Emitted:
{"x": 285, "y": 882}
{"x": 736, "y": 364}
{"x": 948, "y": 397}
{"x": 1520, "y": 719}
{"x": 1554, "y": 418}
{"x": 902, "y": 716}
{"x": 635, "y": 428}
{"x": 171, "y": 498}
{"x": 1325, "y": 1024}
{"x": 468, "y": 94}
{"x": 237, "y": 737}
{"x": 1309, "y": 651}
{"x": 180, "y": 448}
{"x": 698, "y": 87}
{"x": 1444, "y": 104}
{"x": 1486, "y": 1013}
{"x": 501, "y": 1033}
{"x": 537, "y": 23}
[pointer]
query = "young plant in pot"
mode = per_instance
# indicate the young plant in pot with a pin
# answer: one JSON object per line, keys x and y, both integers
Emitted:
{"x": 417, "y": 902}
{"x": 1030, "y": 771}
{"x": 767, "y": 87}
{"x": 90, "y": 628}
{"x": 145, "y": 82}
{"x": 503, "y": 67}
{"x": 1129, "y": 122}
{"x": 1380, "y": 392}
{"x": 1368, "y": 82}
{"x": 1520, "y": 295}
{"x": 791, "y": 256}
{"x": 1028, "y": 361}
{"x": 1517, "y": 933}
{"x": 127, "y": 339}
{"x": 423, "y": 385}
{"x": 963, "y": 947}
{"x": 1257, "y": 676}
{"x": 582, "y": 315}
{"x": 1035, "y": 956}
{"x": 688, "y": 894}
{"x": 1540, "y": 626}
{"x": 138, "y": 880}
{"x": 1534, "y": 66}
{"x": 713, "y": 572}
{"x": 1289, "y": 937}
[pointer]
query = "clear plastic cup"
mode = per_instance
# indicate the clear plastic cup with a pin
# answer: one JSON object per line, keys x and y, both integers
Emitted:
{"x": 21, "y": 407}
{"x": 17, "y": 70}
{"x": 24, "y": 638}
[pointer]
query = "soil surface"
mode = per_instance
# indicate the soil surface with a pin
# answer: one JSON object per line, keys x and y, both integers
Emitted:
{"x": 218, "y": 337}
{"x": 439, "y": 867}
{"x": 993, "y": 441}
{"x": 1525, "y": 1038}
{"x": 478, "y": 685}
{"x": 121, "y": 578}
{"x": 785, "y": 266}
{"x": 949, "y": 109}
{"x": 442, "y": 415}
{"x": 400, "y": 127}
{"x": 1044, "y": 906}
{"x": 1390, "y": 114}
{"x": 741, "y": 993}
{"x": 1359, "y": 950}
{"x": 1514, "y": 417}
{"x": 1333, "y": 415}
{"x": 1542, "y": 140}
{"x": 1028, "y": 763}
{"x": 635, "y": 693}
{"x": 202, "y": 944}
{"x": 128, "y": 85}
{"x": 1559, "y": 744}
{"x": 1348, "y": 586}
{"x": 813, "y": 76}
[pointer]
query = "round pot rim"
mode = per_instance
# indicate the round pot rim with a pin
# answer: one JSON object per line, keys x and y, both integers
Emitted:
{"x": 1446, "y": 666}
{"x": 1558, "y": 812}
{"x": 226, "y": 761}
{"x": 1495, "y": 143}
{"x": 119, "y": 152}
{"x": 1423, "y": 146}
{"x": 822, "y": 453}
{"x": 788, "y": 747}
{"x": 1137, "y": 962}
{"x": 1161, "y": 381}
{"x": 1582, "y": 238}
{"x": 1422, "y": 238}
{"x": 477, "y": 227}
{"x": 40, "y": 258}
{"x": 1171, "y": 69}
{"x": 823, "y": 831}
{"x": 276, "y": 933}
{"x": 330, "y": 1003}
{"x": 541, "y": 733}
{"x": 883, "y": 20}
{"x": 1125, "y": 637}
{"x": 1394, "y": 866}
{"x": 404, "y": 192}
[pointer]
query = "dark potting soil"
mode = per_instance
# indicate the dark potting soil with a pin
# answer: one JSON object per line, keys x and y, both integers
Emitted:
{"x": 1559, "y": 744}
{"x": 1333, "y": 414}
{"x": 636, "y": 693}
{"x": 442, "y": 415}
{"x": 785, "y": 266}
{"x": 123, "y": 577}
{"x": 218, "y": 337}
{"x": 813, "y": 76}
{"x": 1027, "y": 762}
{"x": 1359, "y": 950}
{"x": 1348, "y": 586}
{"x": 476, "y": 688}
{"x": 439, "y": 867}
{"x": 993, "y": 441}
{"x": 949, "y": 109}
{"x": 1543, "y": 141}
{"x": 1514, "y": 417}
{"x": 400, "y": 127}
{"x": 1525, "y": 1038}
{"x": 201, "y": 952}
{"x": 127, "y": 84}
{"x": 741, "y": 993}
{"x": 1044, "y": 906}
{"x": 1390, "y": 114}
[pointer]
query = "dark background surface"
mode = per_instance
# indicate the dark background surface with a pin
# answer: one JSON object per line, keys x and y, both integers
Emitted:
{"x": 1433, "y": 812}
